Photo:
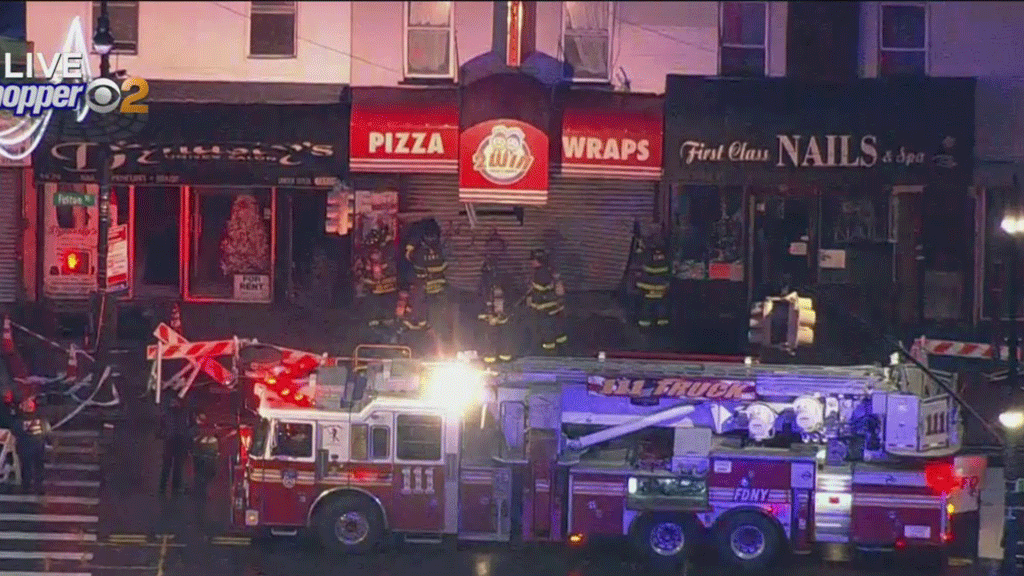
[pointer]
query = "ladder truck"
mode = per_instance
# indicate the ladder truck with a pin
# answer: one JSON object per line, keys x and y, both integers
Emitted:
{"x": 753, "y": 459}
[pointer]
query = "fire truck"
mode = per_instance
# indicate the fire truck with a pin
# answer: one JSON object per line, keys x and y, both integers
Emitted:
{"x": 753, "y": 459}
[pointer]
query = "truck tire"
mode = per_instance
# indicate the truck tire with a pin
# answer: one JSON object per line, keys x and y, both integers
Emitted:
{"x": 747, "y": 540}
{"x": 350, "y": 524}
{"x": 662, "y": 537}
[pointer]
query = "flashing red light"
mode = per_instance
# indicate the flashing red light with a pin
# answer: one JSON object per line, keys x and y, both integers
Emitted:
{"x": 362, "y": 475}
{"x": 947, "y": 537}
{"x": 901, "y": 544}
{"x": 941, "y": 477}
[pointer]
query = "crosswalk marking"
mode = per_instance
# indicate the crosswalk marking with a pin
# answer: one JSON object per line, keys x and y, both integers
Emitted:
{"x": 73, "y": 466}
{"x": 48, "y": 499}
{"x": 51, "y": 536}
{"x": 17, "y": 517}
{"x": 43, "y": 555}
{"x": 46, "y": 534}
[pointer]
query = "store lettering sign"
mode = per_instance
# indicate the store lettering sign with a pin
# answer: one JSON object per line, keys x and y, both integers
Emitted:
{"x": 412, "y": 143}
{"x": 809, "y": 151}
{"x": 601, "y": 143}
{"x": 84, "y": 157}
{"x": 681, "y": 388}
{"x": 618, "y": 149}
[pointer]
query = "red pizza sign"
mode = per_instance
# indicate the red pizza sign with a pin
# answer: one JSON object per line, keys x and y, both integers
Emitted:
{"x": 393, "y": 139}
{"x": 503, "y": 162}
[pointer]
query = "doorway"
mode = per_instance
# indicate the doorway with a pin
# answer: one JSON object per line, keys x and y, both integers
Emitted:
{"x": 784, "y": 241}
{"x": 157, "y": 258}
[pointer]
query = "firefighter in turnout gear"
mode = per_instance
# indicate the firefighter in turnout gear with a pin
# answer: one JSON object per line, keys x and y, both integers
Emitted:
{"x": 653, "y": 284}
{"x": 547, "y": 300}
{"x": 410, "y": 322}
{"x": 31, "y": 447}
{"x": 429, "y": 266}
{"x": 205, "y": 456}
{"x": 378, "y": 279}
{"x": 495, "y": 340}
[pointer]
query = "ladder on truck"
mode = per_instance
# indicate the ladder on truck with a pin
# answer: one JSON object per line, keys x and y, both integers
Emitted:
{"x": 771, "y": 379}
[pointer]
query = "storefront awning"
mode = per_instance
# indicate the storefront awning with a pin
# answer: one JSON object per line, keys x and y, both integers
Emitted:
{"x": 780, "y": 130}
{"x": 405, "y": 130}
{"x": 209, "y": 144}
{"x": 611, "y": 135}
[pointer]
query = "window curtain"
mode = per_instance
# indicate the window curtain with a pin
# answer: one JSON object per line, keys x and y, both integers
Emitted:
{"x": 587, "y": 26}
{"x": 428, "y": 37}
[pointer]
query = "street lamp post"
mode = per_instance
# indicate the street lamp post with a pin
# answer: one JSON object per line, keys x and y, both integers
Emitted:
{"x": 103, "y": 44}
{"x": 1012, "y": 419}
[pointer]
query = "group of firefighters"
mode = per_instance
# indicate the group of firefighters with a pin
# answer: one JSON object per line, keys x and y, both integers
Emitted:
{"x": 398, "y": 309}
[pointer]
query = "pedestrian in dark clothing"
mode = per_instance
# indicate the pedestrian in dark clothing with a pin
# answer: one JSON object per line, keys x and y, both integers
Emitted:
{"x": 176, "y": 431}
{"x": 205, "y": 456}
{"x": 9, "y": 417}
{"x": 31, "y": 447}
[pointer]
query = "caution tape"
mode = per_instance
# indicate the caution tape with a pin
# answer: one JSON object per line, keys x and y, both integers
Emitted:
{"x": 77, "y": 351}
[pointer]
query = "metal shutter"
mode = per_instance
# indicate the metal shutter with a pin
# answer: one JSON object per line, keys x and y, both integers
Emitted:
{"x": 10, "y": 218}
{"x": 590, "y": 224}
{"x": 587, "y": 225}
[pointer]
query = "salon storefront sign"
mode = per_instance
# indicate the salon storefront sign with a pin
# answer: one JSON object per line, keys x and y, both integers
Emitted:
{"x": 750, "y": 130}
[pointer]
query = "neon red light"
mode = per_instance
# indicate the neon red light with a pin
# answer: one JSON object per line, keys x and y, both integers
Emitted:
{"x": 941, "y": 477}
{"x": 362, "y": 474}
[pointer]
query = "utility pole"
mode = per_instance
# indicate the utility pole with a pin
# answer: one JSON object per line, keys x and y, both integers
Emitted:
{"x": 103, "y": 43}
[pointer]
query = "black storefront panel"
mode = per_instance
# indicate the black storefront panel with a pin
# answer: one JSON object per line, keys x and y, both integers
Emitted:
{"x": 780, "y": 131}
{"x": 214, "y": 144}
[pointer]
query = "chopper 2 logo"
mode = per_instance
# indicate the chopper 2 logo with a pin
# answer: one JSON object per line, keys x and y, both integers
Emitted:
{"x": 67, "y": 85}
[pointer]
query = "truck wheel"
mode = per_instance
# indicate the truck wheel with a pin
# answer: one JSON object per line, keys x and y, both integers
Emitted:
{"x": 747, "y": 540}
{"x": 350, "y": 524}
{"x": 662, "y": 536}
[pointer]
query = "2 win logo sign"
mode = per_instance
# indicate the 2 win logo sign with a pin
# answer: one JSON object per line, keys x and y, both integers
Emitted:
{"x": 503, "y": 157}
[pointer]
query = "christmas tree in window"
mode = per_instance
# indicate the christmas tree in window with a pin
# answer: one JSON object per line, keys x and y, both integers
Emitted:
{"x": 245, "y": 248}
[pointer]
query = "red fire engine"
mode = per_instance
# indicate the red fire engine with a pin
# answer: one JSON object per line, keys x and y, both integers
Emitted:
{"x": 752, "y": 458}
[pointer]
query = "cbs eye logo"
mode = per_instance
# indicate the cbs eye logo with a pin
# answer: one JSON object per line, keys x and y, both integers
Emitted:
{"x": 103, "y": 96}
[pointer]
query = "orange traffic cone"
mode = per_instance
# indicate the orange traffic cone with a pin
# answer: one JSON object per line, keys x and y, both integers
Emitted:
{"x": 15, "y": 362}
{"x": 72, "y": 371}
{"x": 176, "y": 318}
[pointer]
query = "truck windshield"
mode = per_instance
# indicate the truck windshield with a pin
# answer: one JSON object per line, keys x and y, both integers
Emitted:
{"x": 259, "y": 438}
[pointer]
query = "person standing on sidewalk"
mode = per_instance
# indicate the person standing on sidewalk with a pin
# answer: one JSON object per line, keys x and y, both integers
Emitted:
{"x": 176, "y": 428}
{"x": 31, "y": 447}
{"x": 205, "y": 456}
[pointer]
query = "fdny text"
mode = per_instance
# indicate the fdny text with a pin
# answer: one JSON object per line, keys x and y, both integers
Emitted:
{"x": 750, "y": 495}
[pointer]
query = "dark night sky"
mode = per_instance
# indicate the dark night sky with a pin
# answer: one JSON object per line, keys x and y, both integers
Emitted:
{"x": 12, "y": 19}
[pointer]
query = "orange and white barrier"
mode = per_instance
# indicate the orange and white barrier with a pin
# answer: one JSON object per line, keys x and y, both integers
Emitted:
{"x": 957, "y": 349}
{"x": 201, "y": 357}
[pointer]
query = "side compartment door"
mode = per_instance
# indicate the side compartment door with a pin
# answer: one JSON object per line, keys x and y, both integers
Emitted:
{"x": 419, "y": 483}
{"x": 289, "y": 473}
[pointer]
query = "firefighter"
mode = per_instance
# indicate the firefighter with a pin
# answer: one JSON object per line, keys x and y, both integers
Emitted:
{"x": 176, "y": 432}
{"x": 429, "y": 266}
{"x": 378, "y": 279}
{"x": 547, "y": 300}
{"x": 495, "y": 340}
{"x": 205, "y": 456}
{"x": 9, "y": 413}
{"x": 410, "y": 317}
{"x": 31, "y": 447}
{"x": 653, "y": 284}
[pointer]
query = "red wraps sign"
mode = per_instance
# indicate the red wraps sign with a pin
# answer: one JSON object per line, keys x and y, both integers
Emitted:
{"x": 503, "y": 162}
{"x": 607, "y": 143}
{"x": 404, "y": 139}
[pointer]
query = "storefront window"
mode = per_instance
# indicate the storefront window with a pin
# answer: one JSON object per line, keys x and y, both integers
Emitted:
{"x": 231, "y": 244}
{"x": 157, "y": 259}
{"x": 708, "y": 233}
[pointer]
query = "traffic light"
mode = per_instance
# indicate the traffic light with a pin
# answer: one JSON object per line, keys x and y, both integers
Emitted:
{"x": 802, "y": 318}
{"x": 75, "y": 262}
{"x": 341, "y": 211}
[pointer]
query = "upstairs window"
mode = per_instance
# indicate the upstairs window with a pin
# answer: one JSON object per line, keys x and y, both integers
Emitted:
{"x": 903, "y": 40}
{"x": 429, "y": 40}
{"x": 743, "y": 33}
{"x": 587, "y": 39}
{"x": 124, "y": 24}
{"x": 272, "y": 29}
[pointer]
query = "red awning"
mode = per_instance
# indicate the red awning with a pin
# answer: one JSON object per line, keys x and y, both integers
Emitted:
{"x": 404, "y": 130}
{"x": 612, "y": 135}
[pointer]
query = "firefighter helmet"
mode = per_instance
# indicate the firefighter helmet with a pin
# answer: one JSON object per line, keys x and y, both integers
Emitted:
{"x": 540, "y": 256}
